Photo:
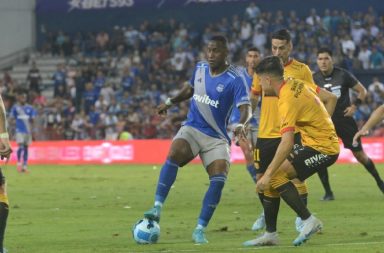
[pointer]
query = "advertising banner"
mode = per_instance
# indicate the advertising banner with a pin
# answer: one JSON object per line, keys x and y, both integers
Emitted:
{"x": 144, "y": 152}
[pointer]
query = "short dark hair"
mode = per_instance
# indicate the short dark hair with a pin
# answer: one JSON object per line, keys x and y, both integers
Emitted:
{"x": 221, "y": 39}
{"x": 253, "y": 49}
{"x": 270, "y": 65}
{"x": 282, "y": 34}
{"x": 324, "y": 50}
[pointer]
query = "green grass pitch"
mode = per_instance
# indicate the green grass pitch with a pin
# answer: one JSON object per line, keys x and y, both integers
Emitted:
{"x": 91, "y": 209}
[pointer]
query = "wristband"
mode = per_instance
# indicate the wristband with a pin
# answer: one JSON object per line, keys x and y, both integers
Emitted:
{"x": 358, "y": 102}
{"x": 4, "y": 136}
{"x": 168, "y": 102}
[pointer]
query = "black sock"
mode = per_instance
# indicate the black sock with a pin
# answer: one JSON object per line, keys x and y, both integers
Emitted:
{"x": 3, "y": 222}
{"x": 304, "y": 198}
{"x": 323, "y": 175}
{"x": 261, "y": 198}
{"x": 271, "y": 210}
{"x": 291, "y": 196}
{"x": 371, "y": 168}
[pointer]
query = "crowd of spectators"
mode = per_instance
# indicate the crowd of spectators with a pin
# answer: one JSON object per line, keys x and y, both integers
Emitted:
{"x": 113, "y": 80}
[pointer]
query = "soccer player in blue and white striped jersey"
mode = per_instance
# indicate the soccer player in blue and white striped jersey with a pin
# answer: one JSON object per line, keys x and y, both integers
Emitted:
{"x": 215, "y": 88}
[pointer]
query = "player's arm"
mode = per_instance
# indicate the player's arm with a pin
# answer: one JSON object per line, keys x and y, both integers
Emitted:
{"x": 361, "y": 94}
{"x": 376, "y": 117}
{"x": 245, "y": 116}
{"x": 185, "y": 93}
{"x": 329, "y": 100}
{"x": 5, "y": 150}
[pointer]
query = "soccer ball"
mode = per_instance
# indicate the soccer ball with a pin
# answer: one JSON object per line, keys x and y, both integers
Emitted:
{"x": 146, "y": 231}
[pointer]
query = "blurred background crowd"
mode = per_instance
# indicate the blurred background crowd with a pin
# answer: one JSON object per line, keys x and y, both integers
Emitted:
{"x": 111, "y": 81}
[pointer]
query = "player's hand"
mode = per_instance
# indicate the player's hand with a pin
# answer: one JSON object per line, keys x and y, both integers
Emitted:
{"x": 5, "y": 149}
{"x": 162, "y": 109}
{"x": 239, "y": 133}
{"x": 350, "y": 111}
{"x": 263, "y": 183}
{"x": 357, "y": 136}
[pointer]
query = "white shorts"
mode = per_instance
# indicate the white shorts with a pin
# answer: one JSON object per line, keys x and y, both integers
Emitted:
{"x": 208, "y": 148}
{"x": 23, "y": 139}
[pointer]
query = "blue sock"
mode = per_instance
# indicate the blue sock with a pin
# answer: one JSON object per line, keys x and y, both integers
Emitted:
{"x": 211, "y": 199}
{"x": 19, "y": 151}
{"x": 25, "y": 157}
{"x": 167, "y": 177}
{"x": 252, "y": 171}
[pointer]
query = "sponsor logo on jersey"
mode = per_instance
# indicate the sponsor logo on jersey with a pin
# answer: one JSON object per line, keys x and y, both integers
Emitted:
{"x": 220, "y": 87}
{"x": 315, "y": 160}
{"x": 205, "y": 99}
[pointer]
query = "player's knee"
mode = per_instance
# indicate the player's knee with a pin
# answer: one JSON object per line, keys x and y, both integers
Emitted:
{"x": 280, "y": 178}
{"x": 218, "y": 167}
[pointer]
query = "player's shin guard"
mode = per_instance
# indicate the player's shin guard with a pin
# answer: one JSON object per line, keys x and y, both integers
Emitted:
{"x": 289, "y": 193}
{"x": 302, "y": 188}
{"x": 166, "y": 179}
{"x": 211, "y": 199}
{"x": 271, "y": 209}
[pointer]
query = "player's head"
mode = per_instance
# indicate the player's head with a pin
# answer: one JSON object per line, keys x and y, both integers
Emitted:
{"x": 270, "y": 70}
{"x": 281, "y": 44}
{"x": 21, "y": 95}
{"x": 324, "y": 59}
{"x": 217, "y": 51}
{"x": 252, "y": 58}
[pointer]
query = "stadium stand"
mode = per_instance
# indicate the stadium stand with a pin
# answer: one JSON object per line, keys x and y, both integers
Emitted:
{"x": 99, "y": 85}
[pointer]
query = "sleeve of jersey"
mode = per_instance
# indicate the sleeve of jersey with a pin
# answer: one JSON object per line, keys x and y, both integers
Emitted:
{"x": 192, "y": 79}
{"x": 351, "y": 80}
{"x": 288, "y": 115}
{"x": 241, "y": 92}
{"x": 313, "y": 86}
{"x": 308, "y": 74}
{"x": 256, "y": 87}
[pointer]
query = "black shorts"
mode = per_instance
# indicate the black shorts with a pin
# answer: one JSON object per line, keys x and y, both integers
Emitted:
{"x": 307, "y": 161}
{"x": 346, "y": 128}
{"x": 265, "y": 151}
{"x": 2, "y": 178}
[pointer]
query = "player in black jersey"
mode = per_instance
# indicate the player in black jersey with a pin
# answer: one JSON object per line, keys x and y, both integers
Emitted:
{"x": 339, "y": 81}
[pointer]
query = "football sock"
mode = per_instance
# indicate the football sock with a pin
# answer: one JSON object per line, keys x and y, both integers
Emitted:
{"x": 323, "y": 175}
{"x": 371, "y": 168}
{"x": 303, "y": 191}
{"x": 19, "y": 151}
{"x": 167, "y": 177}
{"x": 261, "y": 198}
{"x": 212, "y": 198}
{"x": 25, "y": 156}
{"x": 271, "y": 210}
{"x": 3, "y": 222}
{"x": 252, "y": 171}
{"x": 291, "y": 196}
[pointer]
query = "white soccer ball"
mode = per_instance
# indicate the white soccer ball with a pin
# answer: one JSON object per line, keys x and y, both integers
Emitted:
{"x": 146, "y": 231}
